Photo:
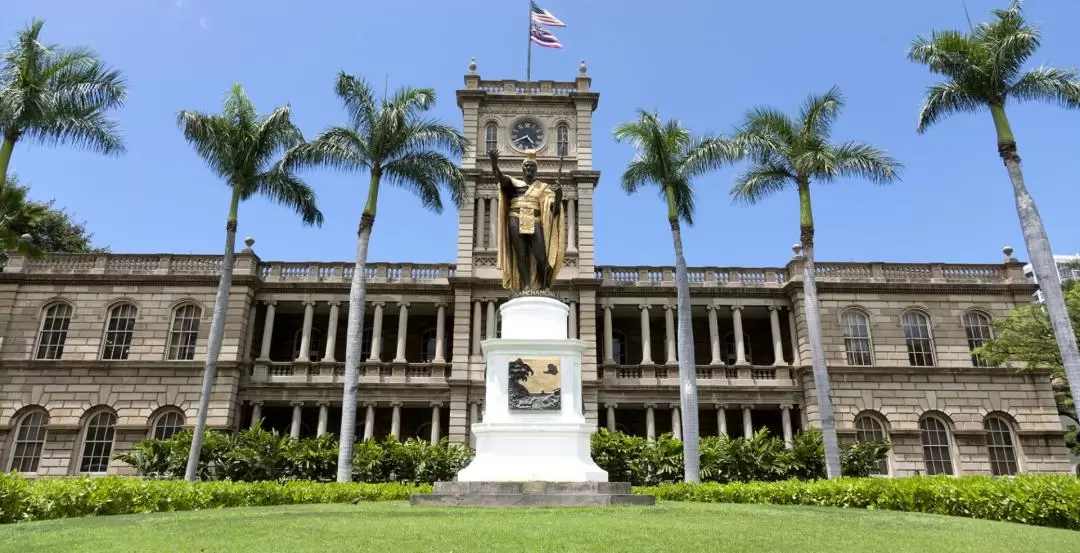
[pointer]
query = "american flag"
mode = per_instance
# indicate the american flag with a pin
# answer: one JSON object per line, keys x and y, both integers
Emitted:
{"x": 542, "y": 37}
{"x": 544, "y": 17}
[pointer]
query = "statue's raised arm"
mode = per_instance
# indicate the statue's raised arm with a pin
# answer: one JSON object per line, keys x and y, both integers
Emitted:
{"x": 504, "y": 180}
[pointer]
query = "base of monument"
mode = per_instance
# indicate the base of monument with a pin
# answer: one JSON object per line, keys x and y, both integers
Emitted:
{"x": 523, "y": 452}
{"x": 532, "y": 494}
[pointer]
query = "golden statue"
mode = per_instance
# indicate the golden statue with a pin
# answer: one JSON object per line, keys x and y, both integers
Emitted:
{"x": 531, "y": 242}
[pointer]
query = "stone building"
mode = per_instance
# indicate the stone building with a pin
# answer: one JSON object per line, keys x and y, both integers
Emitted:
{"x": 99, "y": 351}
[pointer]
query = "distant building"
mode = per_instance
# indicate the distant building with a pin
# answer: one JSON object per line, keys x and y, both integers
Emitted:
{"x": 1068, "y": 269}
{"x": 99, "y": 351}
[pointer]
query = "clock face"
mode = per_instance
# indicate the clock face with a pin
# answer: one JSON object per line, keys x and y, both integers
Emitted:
{"x": 527, "y": 135}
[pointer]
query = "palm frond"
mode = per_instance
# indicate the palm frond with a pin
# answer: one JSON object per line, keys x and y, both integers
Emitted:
{"x": 1010, "y": 40}
{"x": 819, "y": 111}
{"x": 337, "y": 147}
{"x": 89, "y": 129}
{"x": 950, "y": 53}
{"x": 427, "y": 134}
{"x": 764, "y": 130}
{"x": 423, "y": 173}
{"x": 209, "y": 135}
{"x": 1060, "y": 86}
{"x": 709, "y": 153}
{"x": 760, "y": 181}
{"x": 359, "y": 101}
{"x": 413, "y": 99}
{"x": 854, "y": 159}
{"x": 283, "y": 187}
{"x": 683, "y": 191}
{"x": 275, "y": 133}
{"x": 944, "y": 99}
{"x": 636, "y": 175}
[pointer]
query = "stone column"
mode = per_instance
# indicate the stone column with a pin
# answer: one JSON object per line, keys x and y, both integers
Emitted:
{"x": 611, "y": 417}
{"x": 395, "y": 422}
{"x": 740, "y": 346}
{"x": 305, "y": 336}
{"x": 777, "y": 341}
{"x": 609, "y": 343}
{"x": 493, "y": 222}
{"x": 294, "y": 428}
{"x": 324, "y": 414}
{"x": 571, "y": 221}
{"x": 250, "y": 338}
{"x": 490, "y": 320}
{"x": 331, "y": 332}
{"x": 481, "y": 207}
{"x": 669, "y": 335}
{"x": 474, "y": 417}
{"x": 785, "y": 418}
{"x": 477, "y": 321}
{"x": 676, "y": 421}
{"x": 646, "y": 344}
{"x": 572, "y": 329}
{"x": 376, "y": 332}
{"x": 440, "y": 331}
{"x": 436, "y": 421}
{"x": 795, "y": 360}
{"x": 650, "y": 422}
{"x": 402, "y": 330}
{"x": 747, "y": 422}
{"x": 268, "y": 330}
{"x": 369, "y": 422}
{"x": 721, "y": 420}
{"x": 256, "y": 413}
{"x": 714, "y": 336}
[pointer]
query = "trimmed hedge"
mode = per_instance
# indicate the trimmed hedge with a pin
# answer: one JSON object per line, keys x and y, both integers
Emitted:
{"x": 1039, "y": 500}
{"x": 25, "y": 500}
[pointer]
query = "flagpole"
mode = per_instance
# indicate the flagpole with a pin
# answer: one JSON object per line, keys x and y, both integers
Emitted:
{"x": 528, "y": 56}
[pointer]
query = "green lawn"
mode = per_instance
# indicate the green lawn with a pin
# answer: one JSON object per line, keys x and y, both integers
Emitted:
{"x": 669, "y": 527}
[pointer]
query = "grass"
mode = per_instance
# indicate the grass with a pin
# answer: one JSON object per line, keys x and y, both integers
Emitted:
{"x": 394, "y": 527}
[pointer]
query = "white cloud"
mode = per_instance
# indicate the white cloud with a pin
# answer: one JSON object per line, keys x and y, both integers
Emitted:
{"x": 203, "y": 23}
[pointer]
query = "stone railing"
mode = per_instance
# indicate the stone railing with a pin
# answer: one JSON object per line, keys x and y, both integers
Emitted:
{"x": 544, "y": 87}
{"x": 825, "y": 272}
{"x": 707, "y": 375}
{"x": 334, "y": 373}
{"x": 280, "y": 271}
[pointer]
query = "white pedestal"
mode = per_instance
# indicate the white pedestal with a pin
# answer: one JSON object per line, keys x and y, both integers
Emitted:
{"x": 515, "y": 445}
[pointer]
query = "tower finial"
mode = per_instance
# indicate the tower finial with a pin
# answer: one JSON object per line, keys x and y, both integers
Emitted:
{"x": 472, "y": 66}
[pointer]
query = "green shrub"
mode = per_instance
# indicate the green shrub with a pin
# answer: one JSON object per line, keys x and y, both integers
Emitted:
{"x": 24, "y": 500}
{"x": 1041, "y": 500}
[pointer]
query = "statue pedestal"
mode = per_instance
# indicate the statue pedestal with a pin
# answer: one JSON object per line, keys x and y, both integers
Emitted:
{"x": 534, "y": 428}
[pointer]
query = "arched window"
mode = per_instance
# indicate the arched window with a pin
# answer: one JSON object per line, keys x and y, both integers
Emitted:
{"x": 98, "y": 442}
{"x": 857, "y": 343}
{"x": 315, "y": 348}
{"x": 30, "y": 434}
{"x": 869, "y": 428}
{"x": 491, "y": 137}
{"x": 977, "y": 327}
{"x": 184, "y": 332}
{"x": 937, "y": 446}
{"x": 167, "y": 423}
{"x": 618, "y": 347}
{"x": 562, "y": 140}
{"x": 731, "y": 355}
{"x": 54, "y": 328}
{"x": 1000, "y": 445}
{"x": 920, "y": 345}
{"x": 118, "y": 331}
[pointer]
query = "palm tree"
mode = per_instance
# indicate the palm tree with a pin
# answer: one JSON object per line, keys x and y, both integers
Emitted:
{"x": 388, "y": 139}
{"x": 786, "y": 153}
{"x": 241, "y": 147}
{"x": 56, "y": 95}
{"x": 984, "y": 69}
{"x": 669, "y": 157}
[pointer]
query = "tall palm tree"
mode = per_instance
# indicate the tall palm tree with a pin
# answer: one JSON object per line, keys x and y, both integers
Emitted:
{"x": 670, "y": 158}
{"x": 390, "y": 139}
{"x": 984, "y": 69}
{"x": 242, "y": 148}
{"x": 56, "y": 95}
{"x": 790, "y": 153}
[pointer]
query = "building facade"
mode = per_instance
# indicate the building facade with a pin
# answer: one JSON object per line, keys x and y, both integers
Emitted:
{"x": 1068, "y": 267}
{"x": 99, "y": 351}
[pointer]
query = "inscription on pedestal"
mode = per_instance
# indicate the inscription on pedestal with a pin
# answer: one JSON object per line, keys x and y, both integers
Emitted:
{"x": 535, "y": 384}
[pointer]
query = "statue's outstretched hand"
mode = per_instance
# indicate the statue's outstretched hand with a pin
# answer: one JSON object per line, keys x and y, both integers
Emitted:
{"x": 493, "y": 155}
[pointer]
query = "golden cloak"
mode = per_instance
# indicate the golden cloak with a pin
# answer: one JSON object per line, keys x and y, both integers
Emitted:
{"x": 552, "y": 225}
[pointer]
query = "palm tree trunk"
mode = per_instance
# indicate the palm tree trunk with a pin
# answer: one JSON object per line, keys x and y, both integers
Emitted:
{"x": 354, "y": 354}
{"x": 1041, "y": 254}
{"x": 217, "y": 332}
{"x": 688, "y": 396}
{"x": 813, "y": 326}
{"x": 6, "y": 148}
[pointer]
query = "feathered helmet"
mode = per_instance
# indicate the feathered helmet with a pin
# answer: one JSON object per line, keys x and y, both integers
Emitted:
{"x": 530, "y": 157}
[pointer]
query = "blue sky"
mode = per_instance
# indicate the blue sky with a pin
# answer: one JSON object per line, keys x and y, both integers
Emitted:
{"x": 704, "y": 62}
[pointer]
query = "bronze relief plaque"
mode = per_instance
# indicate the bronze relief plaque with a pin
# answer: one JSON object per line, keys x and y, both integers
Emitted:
{"x": 535, "y": 384}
